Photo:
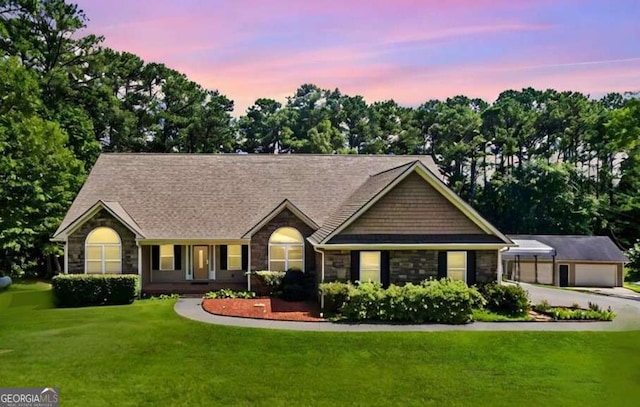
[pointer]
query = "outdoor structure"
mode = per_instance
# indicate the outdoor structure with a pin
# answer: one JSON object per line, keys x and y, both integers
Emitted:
{"x": 565, "y": 261}
{"x": 192, "y": 223}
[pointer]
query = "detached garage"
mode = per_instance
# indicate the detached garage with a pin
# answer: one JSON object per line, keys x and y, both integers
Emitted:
{"x": 587, "y": 261}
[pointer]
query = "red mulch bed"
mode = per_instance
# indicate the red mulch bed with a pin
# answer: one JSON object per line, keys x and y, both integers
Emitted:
{"x": 264, "y": 308}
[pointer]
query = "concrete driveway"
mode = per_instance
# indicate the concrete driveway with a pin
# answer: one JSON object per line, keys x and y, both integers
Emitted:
{"x": 627, "y": 309}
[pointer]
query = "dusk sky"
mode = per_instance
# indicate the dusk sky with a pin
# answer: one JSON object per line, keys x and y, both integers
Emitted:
{"x": 406, "y": 50}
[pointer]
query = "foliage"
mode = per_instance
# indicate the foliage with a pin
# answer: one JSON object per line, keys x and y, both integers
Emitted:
{"x": 270, "y": 279}
{"x": 510, "y": 300}
{"x": 164, "y": 297}
{"x": 78, "y": 290}
{"x": 228, "y": 293}
{"x": 39, "y": 175}
{"x": 440, "y": 301}
{"x": 575, "y": 313}
{"x": 335, "y": 295}
{"x": 633, "y": 267}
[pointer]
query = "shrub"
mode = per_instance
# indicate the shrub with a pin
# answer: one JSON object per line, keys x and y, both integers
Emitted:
{"x": 272, "y": 280}
{"x": 511, "y": 300}
{"x": 229, "y": 293}
{"x": 77, "y": 290}
{"x": 335, "y": 295}
{"x": 163, "y": 297}
{"x": 442, "y": 301}
{"x": 542, "y": 306}
{"x": 633, "y": 267}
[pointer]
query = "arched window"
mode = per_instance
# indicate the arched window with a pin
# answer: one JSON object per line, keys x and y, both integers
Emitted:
{"x": 286, "y": 250}
{"x": 103, "y": 252}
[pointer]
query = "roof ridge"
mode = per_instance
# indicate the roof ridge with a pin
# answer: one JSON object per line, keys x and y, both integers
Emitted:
{"x": 408, "y": 164}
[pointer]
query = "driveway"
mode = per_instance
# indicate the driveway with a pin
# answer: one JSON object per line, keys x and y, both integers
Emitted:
{"x": 627, "y": 309}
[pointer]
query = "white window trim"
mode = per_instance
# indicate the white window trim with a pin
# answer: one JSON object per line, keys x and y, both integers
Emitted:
{"x": 464, "y": 270}
{"x": 173, "y": 259}
{"x": 235, "y": 256}
{"x": 102, "y": 246}
{"x": 379, "y": 265}
{"x": 286, "y": 247}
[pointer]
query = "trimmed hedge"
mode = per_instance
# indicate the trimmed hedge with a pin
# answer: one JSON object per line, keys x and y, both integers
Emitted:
{"x": 440, "y": 301}
{"x": 335, "y": 295}
{"x": 511, "y": 300}
{"x": 292, "y": 285}
{"x": 79, "y": 290}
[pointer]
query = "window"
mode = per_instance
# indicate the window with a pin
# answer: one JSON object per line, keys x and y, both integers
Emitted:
{"x": 286, "y": 250}
{"x": 234, "y": 257}
{"x": 370, "y": 266}
{"x": 457, "y": 265}
{"x": 166, "y": 257}
{"x": 103, "y": 252}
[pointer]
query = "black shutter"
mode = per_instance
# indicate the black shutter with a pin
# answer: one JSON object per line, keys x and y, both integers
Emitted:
{"x": 155, "y": 257}
{"x": 245, "y": 257}
{"x": 223, "y": 257}
{"x": 471, "y": 267}
{"x": 384, "y": 268}
{"x": 355, "y": 266}
{"x": 442, "y": 264}
{"x": 177, "y": 257}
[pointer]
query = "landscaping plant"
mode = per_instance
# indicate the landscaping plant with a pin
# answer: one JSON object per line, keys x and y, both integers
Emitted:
{"x": 510, "y": 300}
{"x": 78, "y": 290}
{"x": 229, "y": 293}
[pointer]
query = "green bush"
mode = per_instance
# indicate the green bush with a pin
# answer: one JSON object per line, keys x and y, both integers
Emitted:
{"x": 229, "y": 293}
{"x": 78, "y": 290}
{"x": 441, "y": 301}
{"x": 594, "y": 313}
{"x": 335, "y": 295}
{"x": 272, "y": 280}
{"x": 511, "y": 300}
{"x": 164, "y": 297}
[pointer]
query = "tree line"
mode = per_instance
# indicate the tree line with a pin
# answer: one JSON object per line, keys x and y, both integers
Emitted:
{"x": 533, "y": 161}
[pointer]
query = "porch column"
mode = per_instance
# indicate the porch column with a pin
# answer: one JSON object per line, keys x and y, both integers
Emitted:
{"x": 499, "y": 271}
{"x": 535, "y": 265}
{"x": 556, "y": 279}
{"x": 249, "y": 268}
{"x": 66, "y": 257}
{"x": 139, "y": 261}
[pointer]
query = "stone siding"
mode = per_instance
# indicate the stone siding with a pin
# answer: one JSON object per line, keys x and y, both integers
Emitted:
{"x": 260, "y": 241}
{"x": 77, "y": 240}
{"x": 337, "y": 265}
{"x": 412, "y": 266}
{"x": 486, "y": 265}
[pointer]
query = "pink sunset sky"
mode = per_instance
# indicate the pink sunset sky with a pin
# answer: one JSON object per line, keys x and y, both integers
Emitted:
{"x": 407, "y": 50}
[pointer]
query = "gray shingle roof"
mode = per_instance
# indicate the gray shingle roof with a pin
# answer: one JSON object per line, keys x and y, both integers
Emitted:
{"x": 367, "y": 191}
{"x": 221, "y": 196}
{"x": 585, "y": 248}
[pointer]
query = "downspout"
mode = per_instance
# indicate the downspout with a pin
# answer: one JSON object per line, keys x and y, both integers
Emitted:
{"x": 139, "y": 265}
{"x": 321, "y": 280}
{"x": 500, "y": 265}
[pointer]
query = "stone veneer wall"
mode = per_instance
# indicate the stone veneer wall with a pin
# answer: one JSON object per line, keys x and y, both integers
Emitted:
{"x": 260, "y": 241}
{"x": 486, "y": 265}
{"x": 412, "y": 266}
{"x": 103, "y": 218}
{"x": 409, "y": 266}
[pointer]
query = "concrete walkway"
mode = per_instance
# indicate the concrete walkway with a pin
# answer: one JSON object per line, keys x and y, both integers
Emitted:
{"x": 628, "y": 317}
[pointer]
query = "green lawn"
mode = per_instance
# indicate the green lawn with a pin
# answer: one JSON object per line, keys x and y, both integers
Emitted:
{"x": 145, "y": 355}
{"x": 634, "y": 287}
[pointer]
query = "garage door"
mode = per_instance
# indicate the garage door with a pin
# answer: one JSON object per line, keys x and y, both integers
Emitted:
{"x": 597, "y": 275}
{"x": 528, "y": 273}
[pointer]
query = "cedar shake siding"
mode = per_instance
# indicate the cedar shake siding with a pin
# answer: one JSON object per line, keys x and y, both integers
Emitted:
{"x": 413, "y": 206}
{"x": 410, "y": 266}
{"x": 260, "y": 241}
{"x": 77, "y": 240}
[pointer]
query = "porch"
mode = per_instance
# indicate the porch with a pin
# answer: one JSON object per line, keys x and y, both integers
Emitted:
{"x": 189, "y": 287}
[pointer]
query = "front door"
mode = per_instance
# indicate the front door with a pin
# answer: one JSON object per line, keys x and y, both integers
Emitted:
{"x": 200, "y": 262}
{"x": 564, "y": 275}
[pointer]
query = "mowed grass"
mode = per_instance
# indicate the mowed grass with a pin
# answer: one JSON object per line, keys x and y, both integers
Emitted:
{"x": 634, "y": 287}
{"x": 145, "y": 355}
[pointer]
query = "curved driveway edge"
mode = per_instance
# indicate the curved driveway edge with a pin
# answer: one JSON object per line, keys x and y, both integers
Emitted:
{"x": 628, "y": 317}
